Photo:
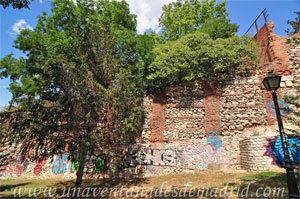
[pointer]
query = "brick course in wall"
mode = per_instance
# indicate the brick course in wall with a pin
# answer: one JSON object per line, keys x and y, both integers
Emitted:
{"x": 158, "y": 121}
{"x": 212, "y": 107}
{"x": 273, "y": 56}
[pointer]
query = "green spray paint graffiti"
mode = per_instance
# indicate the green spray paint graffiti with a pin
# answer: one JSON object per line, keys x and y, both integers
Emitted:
{"x": 94, "y": 164}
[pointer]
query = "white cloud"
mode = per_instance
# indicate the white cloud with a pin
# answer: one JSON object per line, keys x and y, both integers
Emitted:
{"x": 41, "y": 1}
{"x": 21, "y": 25}
{"x": 148, "y": 12}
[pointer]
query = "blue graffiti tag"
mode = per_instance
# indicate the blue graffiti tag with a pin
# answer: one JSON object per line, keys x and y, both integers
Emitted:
{"x": 283, "y": 108}
{"x": 277, "y": 151}
{"x": 213, "y": 140}
{"x": 59, "y": 166}
{"x": 201, "y": 166}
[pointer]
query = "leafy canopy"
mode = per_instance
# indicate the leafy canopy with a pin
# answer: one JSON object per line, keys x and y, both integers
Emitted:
{"x": 186, "y": 16}
{"x": 198, "y": 42}
{"x": 295, "y": 25}
{"x": 77, "y": 90}
{"x": 198, "y": 56}
{"x": 15, "y": 3}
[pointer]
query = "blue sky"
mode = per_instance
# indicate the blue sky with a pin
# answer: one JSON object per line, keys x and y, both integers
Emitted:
{"x": 242, "y": 12}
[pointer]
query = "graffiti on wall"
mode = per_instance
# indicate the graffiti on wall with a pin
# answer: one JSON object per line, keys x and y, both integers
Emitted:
{"x": 275, "y": 151}
{"x": 214, "y": 140}
{"x": 93, "y": 164}
{"x": 282, "y": 105}
{"x": 198, "y": 154}
{"x": 39, "y": 166}
{"x": 269, "y": 150}
{"x": 61, "y": 164}
{"x": 202, "y": 155}
{"x": 201, "y": 166}
{"x": 155, "y": 157}
{"x": 190, "y": 155}
{"x": 15, "y": 167}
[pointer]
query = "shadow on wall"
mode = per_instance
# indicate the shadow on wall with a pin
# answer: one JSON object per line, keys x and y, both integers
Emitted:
{"x": 149, "y": 160}
{"x": 95, "y": 164}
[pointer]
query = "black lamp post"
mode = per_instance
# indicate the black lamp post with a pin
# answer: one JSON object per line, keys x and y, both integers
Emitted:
{"x": 272, "y": 83}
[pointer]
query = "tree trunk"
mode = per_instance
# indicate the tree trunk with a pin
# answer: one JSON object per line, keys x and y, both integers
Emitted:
{"x": 80, "y": 171}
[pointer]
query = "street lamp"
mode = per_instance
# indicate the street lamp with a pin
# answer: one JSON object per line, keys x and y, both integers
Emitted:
{"x": 272, "y": 83}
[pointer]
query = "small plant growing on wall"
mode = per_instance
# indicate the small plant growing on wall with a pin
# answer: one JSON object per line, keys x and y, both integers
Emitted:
{"x": 294, "y": 116}
{"x": 295, "y": 33}
{"x": 295, "y": 25}
{"x": 256, "y": 133}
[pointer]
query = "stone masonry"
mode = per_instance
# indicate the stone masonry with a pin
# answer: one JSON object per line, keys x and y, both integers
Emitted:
{"x": 201, "y": 125}
{"x": 253, "y": 154}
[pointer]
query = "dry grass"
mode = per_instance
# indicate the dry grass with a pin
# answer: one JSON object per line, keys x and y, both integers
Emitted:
{"x": 205, "y": 179}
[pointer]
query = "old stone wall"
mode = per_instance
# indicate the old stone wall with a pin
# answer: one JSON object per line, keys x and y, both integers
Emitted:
{"x": 265, "y": 153}
{"x": 289, "y": 82}
{"x": 184, "y": 113}
{"x": 242, "y": 104}
{"x": 194, "y": 126}
{"x": 200, "y": 124}
{"x": 294, "y": 61}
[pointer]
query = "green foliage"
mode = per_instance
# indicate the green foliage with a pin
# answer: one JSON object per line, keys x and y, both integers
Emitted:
{"x": 292, "y": 40}
{"x": 197, "y": 56}
{"x": 218, "y": 27}
{"x": 182, "y": 17}
{"x": 256, "y": 133}
{"x": 295, "y": 25}
{"x": 294, "y": 114}
{"x": 15, "y": 3}
{"x": 198, "y": 42}
{"x": 80, "y": 86}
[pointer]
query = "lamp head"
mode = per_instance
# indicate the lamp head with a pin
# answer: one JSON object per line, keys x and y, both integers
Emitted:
{"x": 272, "y": 81}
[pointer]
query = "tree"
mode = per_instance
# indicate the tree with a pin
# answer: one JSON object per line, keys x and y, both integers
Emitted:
{"x": 77, "y": 90}
{"x": 15, "y": 3}
{"x": 295, "y": 25}
{"x": 182, "y": 17}
{"x": 199, "y": 43}
{"x": 197, "y": 56}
